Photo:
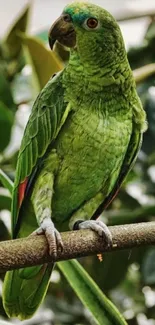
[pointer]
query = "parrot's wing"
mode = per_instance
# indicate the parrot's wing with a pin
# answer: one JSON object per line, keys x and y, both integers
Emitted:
{"x": 130, "y": 157}
{"x": 48, "y": 114}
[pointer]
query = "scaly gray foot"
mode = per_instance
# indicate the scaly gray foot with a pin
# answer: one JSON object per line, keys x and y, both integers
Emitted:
{"x": 97, "y": 226}
{"x": 52, "y": 235}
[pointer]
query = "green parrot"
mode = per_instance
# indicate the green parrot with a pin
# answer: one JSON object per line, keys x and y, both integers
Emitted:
{"x": 80, "y": 142}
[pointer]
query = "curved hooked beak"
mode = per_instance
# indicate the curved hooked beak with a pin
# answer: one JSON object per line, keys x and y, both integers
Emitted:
{"x": 63, "y": 32}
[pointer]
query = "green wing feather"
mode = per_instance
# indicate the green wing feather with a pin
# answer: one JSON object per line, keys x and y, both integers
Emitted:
{"x": 23, "y": 291}
{"x": 48, "y": 114}
{"x": 21, "y": 297}
{"x": 130, "y": 157}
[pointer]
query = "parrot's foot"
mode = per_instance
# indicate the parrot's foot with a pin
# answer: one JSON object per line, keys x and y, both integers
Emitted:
{"x": 97, "y": 226}
{"x": 52, "y": 235}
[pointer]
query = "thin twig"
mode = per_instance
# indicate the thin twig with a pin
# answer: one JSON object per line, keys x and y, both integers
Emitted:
{"x": 33, "y": 250}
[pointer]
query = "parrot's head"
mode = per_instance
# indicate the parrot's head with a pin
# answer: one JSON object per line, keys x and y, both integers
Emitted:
{"x": 88, "y": 29}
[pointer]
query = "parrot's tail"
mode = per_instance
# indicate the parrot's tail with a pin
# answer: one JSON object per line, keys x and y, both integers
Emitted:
{"x": 23, "y": 293}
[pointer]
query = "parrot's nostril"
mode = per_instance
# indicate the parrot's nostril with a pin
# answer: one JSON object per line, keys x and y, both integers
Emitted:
{"x": 67, "y": 18}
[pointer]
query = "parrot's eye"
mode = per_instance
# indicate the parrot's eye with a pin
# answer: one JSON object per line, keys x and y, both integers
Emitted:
{"x": 92, "y": 23}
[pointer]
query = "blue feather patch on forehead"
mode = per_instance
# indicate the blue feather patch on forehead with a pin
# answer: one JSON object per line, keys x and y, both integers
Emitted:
{"x": 79, "y": 12}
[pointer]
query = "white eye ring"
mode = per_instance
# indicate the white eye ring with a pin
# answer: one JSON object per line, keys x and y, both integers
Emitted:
{"x": 91, "y": 24}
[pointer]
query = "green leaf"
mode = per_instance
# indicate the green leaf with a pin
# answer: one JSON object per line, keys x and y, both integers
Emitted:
{"x": 43, "y": 61}
{"x": 90, "y": 294}
{"x": 6, "y": 181}
{"x": 5, "y": 91}
{"x": 12, "y": 43}
{"x": 104, "y": 272}
{"x": 6, "y": 122}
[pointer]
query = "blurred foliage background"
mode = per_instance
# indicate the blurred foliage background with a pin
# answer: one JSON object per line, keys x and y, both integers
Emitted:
{"x": 127, "y": 277}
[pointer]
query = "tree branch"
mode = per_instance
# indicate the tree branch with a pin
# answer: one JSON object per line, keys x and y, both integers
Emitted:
{"x": 33, "y": 250}
{"x": 143, "y": 73}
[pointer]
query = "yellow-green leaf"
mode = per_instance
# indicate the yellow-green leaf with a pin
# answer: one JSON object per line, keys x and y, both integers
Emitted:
{"x": 44, "y": 62}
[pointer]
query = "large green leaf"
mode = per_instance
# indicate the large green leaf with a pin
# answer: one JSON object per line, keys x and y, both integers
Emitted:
{"x": 12, "y": 43}
{"x": 6, "y": 122}
{"x": 43, "y": 61}
{"x": 101, "y": 307}
{"x": 104, "y": 272}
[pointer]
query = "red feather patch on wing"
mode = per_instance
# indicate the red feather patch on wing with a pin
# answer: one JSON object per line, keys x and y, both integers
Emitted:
{"x": 21, "y": 191}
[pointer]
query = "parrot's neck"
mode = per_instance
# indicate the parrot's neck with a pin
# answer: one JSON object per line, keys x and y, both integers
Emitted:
{"x": 82, "y": 77}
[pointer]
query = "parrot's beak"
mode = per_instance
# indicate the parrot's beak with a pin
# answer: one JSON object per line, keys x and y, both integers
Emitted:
{"x": 63, "y": 32}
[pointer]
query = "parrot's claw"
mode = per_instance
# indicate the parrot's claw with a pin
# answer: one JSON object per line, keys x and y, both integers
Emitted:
{"x": 97, "y": 226}
{"x": 52, "y": 235}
